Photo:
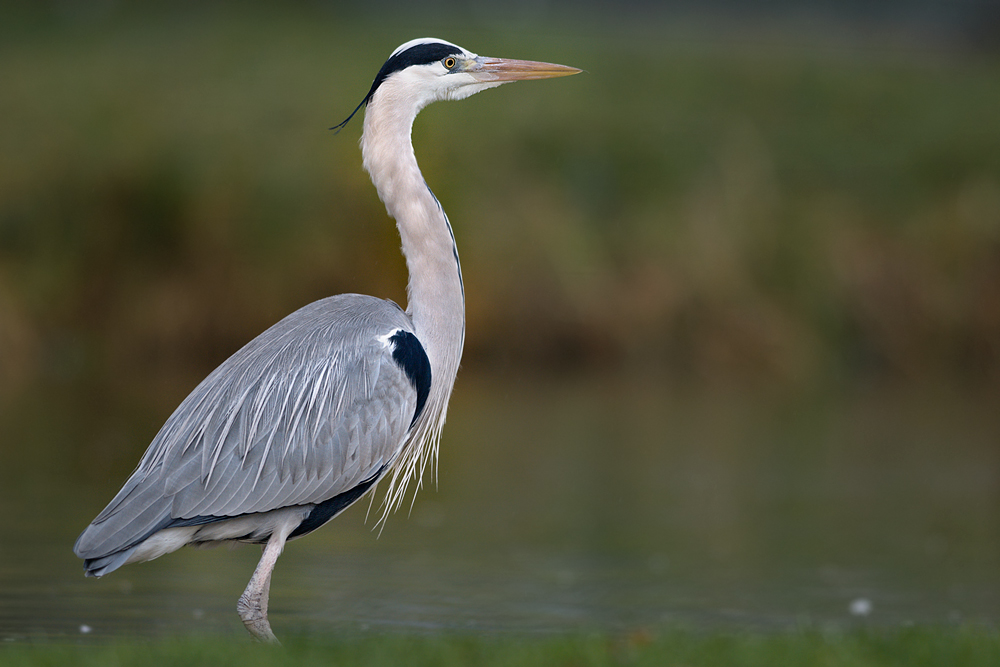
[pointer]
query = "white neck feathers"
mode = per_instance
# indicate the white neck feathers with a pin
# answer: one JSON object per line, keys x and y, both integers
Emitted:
{"x": 436, "y": 302}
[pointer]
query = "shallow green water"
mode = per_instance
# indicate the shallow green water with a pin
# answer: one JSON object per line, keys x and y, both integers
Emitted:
{"x": 597, "y": 503}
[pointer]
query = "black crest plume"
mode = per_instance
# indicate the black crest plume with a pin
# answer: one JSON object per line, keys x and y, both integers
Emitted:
{"x": 418, "y": 54}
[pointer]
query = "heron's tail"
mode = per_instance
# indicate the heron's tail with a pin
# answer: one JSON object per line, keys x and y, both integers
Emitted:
{"x": 98, "y": 567}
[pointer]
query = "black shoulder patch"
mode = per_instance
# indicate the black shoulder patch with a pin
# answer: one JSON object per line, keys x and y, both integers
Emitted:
{"x": 409, "y": 354}
{"x": 418, "y": 54}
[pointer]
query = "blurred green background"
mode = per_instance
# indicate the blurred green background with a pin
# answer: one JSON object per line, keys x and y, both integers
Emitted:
{"x": 733, "y": 350}
{"x": 718, "y": 200}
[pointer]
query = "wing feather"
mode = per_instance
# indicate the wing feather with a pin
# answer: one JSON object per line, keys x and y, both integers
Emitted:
{"x": 309, "y": 409}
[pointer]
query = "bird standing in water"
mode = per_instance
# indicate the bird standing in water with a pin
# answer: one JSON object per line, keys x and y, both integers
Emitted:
{"x": 307, "y": 417}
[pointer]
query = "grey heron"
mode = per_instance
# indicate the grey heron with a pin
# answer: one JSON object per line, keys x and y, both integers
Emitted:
{"x": 307, "y": 417}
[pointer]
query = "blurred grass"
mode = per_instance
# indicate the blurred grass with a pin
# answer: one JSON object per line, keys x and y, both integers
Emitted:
{"x": 168, "y": 189}
{"x": 914, "y": 647}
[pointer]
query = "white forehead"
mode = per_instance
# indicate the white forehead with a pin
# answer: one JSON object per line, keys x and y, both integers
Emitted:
{"x": 429, "y": 40}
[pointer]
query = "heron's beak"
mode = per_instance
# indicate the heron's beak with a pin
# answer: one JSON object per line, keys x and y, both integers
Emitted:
{"x": 502, "y": 69}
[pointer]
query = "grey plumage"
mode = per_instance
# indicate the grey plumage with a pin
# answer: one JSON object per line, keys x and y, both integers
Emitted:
{"x": 310, "y": 415}
{"x": 309, "y": 409}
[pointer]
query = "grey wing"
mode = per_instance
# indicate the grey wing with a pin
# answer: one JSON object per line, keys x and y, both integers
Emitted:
{"x": 312, "y": 408}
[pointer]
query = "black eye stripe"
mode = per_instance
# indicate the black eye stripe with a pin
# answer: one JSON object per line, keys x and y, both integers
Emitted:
{"x": 419, "y": 54}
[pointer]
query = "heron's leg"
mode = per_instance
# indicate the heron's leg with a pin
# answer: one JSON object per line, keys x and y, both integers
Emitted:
{"x": 252, "y": 605}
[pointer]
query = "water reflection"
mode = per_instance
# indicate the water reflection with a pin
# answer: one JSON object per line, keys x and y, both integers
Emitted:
{"x": 598, "y": 503}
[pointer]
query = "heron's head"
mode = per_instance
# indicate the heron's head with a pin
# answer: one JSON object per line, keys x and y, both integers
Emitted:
{"x": 426, "y": 70}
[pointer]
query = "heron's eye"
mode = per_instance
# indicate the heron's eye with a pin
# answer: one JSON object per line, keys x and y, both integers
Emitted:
{"x": 449, "y": 62}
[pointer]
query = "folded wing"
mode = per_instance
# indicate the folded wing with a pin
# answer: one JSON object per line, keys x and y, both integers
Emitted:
{"x": 312, "y": 408}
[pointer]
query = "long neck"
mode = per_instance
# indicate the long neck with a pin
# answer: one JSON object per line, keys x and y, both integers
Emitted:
{"x": 436, "y": 300}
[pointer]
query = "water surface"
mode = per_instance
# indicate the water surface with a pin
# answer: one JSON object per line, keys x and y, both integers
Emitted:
{"x": 593, "y": 503}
